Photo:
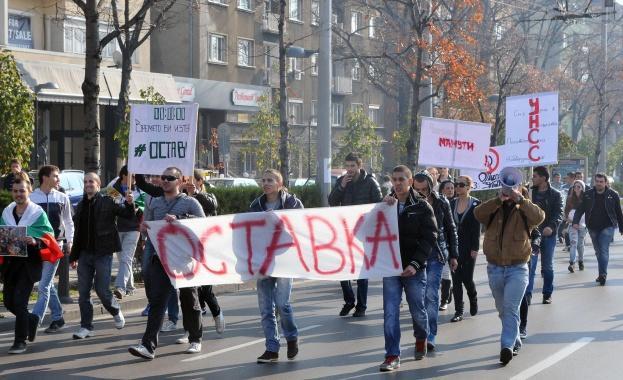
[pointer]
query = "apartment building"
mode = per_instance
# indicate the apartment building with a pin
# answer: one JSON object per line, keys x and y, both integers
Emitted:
{"x": 225, "y": 52}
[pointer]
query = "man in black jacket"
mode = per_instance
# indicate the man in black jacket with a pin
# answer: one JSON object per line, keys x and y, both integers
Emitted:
{"x": 445, "y": 249}
{"x": 602, "y": 207}
{"x": 417, "y": 229}
{"x": 356, "y": 187}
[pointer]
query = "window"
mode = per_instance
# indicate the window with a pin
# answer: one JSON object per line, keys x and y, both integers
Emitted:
{"x": 245, "y": 52}
{"x": 295, "y": 111}
{"x": 372, "y": 26}
{"x": 244, "y": 4}
{"x": 314, "y": 64}
{"x": 296, "y": 8}
{"x": 356, "y": 71}
{"x": 75, "y": 38}
{"x": 356, "y": 107}
{"x": 337, "y": 114}
{"x": 315, "y": 12}
{"x": 248, "y": 162}
{"x": 374, "y": 113}
{"x": 271, "y": 7}
{"x": 314, "y": 117}
{"x": 218, "y": 48}
{"x": 294, "y": 66}
{"x": 355, "y": 22}
{"x": 222, "y": 2}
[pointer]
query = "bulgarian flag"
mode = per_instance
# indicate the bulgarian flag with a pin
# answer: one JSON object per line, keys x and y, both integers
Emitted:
{"x": 37, "y": 226}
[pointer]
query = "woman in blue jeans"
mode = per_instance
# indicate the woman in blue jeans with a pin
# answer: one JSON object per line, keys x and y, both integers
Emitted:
{"x": 274, "y": 293}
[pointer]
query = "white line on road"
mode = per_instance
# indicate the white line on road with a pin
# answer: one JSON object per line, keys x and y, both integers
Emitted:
{"x": 210, "y": 354}
{"x": 550, "y": 361}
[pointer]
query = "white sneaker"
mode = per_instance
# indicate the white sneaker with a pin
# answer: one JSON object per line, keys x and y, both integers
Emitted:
{"x": 83, "y": 333}
{"x": 142, "y": 352}
{"x": 219, "y": 322}
{"x": 183, "y": 339}
{"x": 194, "y": 348}
{"x": 168, "y": 326}
{"x": 119, "y": 320}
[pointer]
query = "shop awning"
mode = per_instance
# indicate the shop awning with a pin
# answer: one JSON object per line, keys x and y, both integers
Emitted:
{"x": 70, "y": 77}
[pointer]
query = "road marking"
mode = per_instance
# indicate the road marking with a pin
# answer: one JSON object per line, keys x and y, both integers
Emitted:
{"x": 215, "y": 353}
{"x": 550, "y": 361}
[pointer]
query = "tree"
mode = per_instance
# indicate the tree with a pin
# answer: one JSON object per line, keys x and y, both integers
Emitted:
{"x": 360, "y": 136}
{"x": 264, "y": 136}
{"x": 16, "y": 114}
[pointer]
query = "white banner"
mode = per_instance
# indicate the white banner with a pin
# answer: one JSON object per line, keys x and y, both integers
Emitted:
{"x": 453, "y": 143}
{"x": 162, "y": 136}
{"x": 338, "y": 243}
{"x": 532, "y": 129}
{"x": 489, "y": 177}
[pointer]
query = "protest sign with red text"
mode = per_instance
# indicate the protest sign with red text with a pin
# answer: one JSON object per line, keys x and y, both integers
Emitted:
{"x": 488, "y": 177}
{"x": 338, "y": 243}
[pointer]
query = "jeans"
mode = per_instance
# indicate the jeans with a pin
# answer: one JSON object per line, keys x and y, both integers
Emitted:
{"x": 533, "y": 263}
{"x": 125, "y": 277}
{"x": 548, "y": 244}
{"x": 274, "y": 293}
{"x": 94, "y": 272}
{"x": 173, "y": 310}
{"x": 47, "y": 293}
{"x": 525, "y": 302}
{"x": 601, "y": 244}
{"x": 415, "y": 291}
{"x": 576, "y": 238}
{"x": 508, "y": 285}
{"x": 191, "y": 314}
{"x": 362, "y": 293}
{"x": 433, "y": 281}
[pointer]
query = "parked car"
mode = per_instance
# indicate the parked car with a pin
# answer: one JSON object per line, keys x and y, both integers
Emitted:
{"x": 232, "y": 182}
{"x": 72, "y": 181}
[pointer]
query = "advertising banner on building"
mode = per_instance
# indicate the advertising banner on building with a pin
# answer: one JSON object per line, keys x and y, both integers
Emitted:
{"x": 162, "y": 136}
{"x": 532, "y": 129}
{"x": 337, "y": 243}
{"x": 453, "y": 143}
{"x": 20, "y": 33}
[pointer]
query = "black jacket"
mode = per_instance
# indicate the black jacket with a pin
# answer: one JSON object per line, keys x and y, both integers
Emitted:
{"x": 365, "y": 190}
{"x": 417, "y": 231}
{"x": 127, "y": 224}
{"x": 443, "y": 215}
{"x": 30, "y": 266}
{"x": 552, "y": 207}
{"x": 613, "y": 207}
{"x": 286, "y": 201}
{"x": 468, "y": 228}
{"x": 106, "y": 234}
{"x": 207, "y": 200}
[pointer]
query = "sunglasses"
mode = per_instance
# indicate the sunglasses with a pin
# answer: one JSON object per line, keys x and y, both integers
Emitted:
{"x": 460, "y": 184}
{"x": 169, "y": 178}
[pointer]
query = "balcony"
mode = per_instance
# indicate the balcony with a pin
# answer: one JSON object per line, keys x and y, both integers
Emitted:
{"x": 270, "y": 23}
{"x": 342, "y": 85}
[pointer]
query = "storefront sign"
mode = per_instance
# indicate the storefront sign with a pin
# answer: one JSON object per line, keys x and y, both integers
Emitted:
{"x": 338, "y": 243}
{"x": 186, "y": 91}
{"x": 245, "y": 97}
{"x": 20, "y": 34}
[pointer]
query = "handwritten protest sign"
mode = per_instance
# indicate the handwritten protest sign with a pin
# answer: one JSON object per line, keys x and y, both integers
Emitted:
{"x": 489, "y": 176}
{"x": 339, "y": 243}
{"x": 453, "y": 143}
{"x": 162, "y": 136}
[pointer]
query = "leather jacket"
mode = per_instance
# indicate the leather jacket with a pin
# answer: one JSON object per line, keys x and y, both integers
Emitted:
{"x": 613, "y": 207}
{"x": 365, "y": 190}
{"x": 417, "y": 231}
{"x": 445, "y": 223}
{"x": 553, "y": 208}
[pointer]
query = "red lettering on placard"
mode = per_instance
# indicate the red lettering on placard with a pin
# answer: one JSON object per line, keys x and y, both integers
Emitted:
{"x": 534, "y": 126}
{"x": 275, "y": 245}
{"x": 175, "y": 229}
{"x": 377, "y": 239}
{"x": 534, "y": 106}
{"x": 248, "y": 225}
{"x": 530, "y": 154}
{"x": 324, "y": 247}
{"x": 350, "y": 242}
{"x": 530, "y": 139}
{"x": 203, "y": 239}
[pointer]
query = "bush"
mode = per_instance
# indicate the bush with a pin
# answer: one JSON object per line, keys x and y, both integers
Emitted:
{"x": 5, "y": 199}
{"x": 234, "y": 200}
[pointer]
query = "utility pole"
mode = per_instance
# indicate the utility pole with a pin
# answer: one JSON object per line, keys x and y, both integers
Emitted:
{"x": 284, "y": 128}
{"x": 603, "y": 99}
{"x": 323, "y": 142}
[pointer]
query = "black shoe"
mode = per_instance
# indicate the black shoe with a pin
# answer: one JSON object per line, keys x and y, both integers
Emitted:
{"x": 602, "y": 280}
{"x": 55, "y": 326}
{"x": 457, "y": 317}
{"x": 529, "y": 298}
{"x": 293, "y": 349}
{"x": 506, "y": 355}
{"x": 33, "y": 324}
{"x": 473, "y": 306}
{"x": 516, "y": 349}
{"x": 268, "y": 357}
{"x": 430, "y": 346}
{"x": 570, "y": 268}
{"x": 443, "y": 306}
{"x": 581, "y": 265}
{"x": 547, "y": 299}
{"x": 359, "y": 313}
{"x": 346, "y": 310}
{"x": 18, "y": 348}
{"x": 523, "y": 334}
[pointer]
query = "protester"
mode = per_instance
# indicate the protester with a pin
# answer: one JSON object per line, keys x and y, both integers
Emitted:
{"x": 434, "y": 174}
{"x": 16, "y": 169}
{"x": 418, "y": 235}
{"x": 556, "y": 182}
{"x": 356, "y": 187}
{"x": 550, "y": 201}
{"x": 535, "y": 244}
{"x": 57, "y": 208}
{"x": 446, "y": 188}
{"x": 468, "y": 229}
{"x": 273, "y": 293}
{"x": 576, "y": 236}
{"x": 386, "y": 185}
{"x": 602, "y": 207}
{"x": 172, "y": 206}
{"x": 508, "y": 220}
{"x": 579, "y": 175}
{"x": 444, "y": 175}
{"x": 95, "y": 240}
{"x": 21, "y": 273}
{"x": 445, "y": 250}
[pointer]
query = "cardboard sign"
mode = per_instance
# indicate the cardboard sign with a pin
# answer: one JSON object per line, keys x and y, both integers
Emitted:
{"x": 162, "y": 136}
{"x": 489, "y": 177}
{"x": 338, "y": 243}
{"x": 453, "y": 143}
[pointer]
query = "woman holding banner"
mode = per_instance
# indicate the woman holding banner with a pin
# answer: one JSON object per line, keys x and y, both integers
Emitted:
{"x": 274, "y": 293}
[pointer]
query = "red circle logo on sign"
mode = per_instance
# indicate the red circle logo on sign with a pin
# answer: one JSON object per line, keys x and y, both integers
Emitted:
{"x": 492, "y": 160}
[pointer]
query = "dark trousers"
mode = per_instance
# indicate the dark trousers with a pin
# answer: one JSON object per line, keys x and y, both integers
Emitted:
{"x": 206, "y": 296}
{"x": 158, "y": 293}
{"x": 362, "y": 293}
{"x": 17, "y": 289}
{"x": 463, "y": 276}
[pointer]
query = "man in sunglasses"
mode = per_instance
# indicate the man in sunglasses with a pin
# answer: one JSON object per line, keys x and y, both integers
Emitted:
{"x": 173, "y": 205}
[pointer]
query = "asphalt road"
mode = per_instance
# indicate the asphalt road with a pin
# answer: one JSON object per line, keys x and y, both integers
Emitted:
{"x": 579, "y": 336}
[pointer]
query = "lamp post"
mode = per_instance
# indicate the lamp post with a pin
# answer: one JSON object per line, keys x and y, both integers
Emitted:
{"x": 37, "y": 89}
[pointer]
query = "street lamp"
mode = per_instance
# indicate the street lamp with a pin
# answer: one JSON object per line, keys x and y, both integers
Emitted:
{"x": 37, "y": 89}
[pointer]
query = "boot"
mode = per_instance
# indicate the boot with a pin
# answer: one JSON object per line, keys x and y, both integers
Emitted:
{"x": 446, "y": 294}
